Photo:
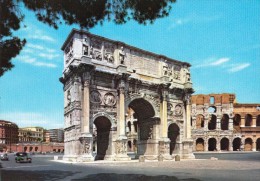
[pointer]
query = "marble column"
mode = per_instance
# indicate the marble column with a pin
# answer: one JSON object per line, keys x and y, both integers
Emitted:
{"x": 164, "y": 144}
{"x": 121, "y": 142}
{"x": 188, "y": 119}
{"x": 242, "y": 121}
{"x": 187, "y": 142}
{"x": 85, "y": 108}
{"x": 86, "y": 138}
{"x": 254, "y": 145}
{"x": 254, "y": 121}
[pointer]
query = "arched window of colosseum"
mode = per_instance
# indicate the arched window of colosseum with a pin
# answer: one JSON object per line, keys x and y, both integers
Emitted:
{"x": 248, "y": 144}
{"x": 236, "y": 144}
{"x": 212, "y": 144}
{"x": 199, "y": 144}
{"x": 236, "y": 120}
{"x": 212, "y": 109}
{"x": 224, "y": 144}
{"x": 212, "y": 122}
{"x": 258, "y": 144}
{"x": 258, "y": 120}
{"x": 212, "y": 100}
{"x": 200, "y": 121}
{"x": 224, "y": 122}
{"x": 248, "y": 120}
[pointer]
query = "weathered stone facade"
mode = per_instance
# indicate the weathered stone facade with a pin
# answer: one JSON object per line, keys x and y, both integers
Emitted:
{"x": 218, "y": 123}
{"x": 103, "y": 79}
{"x": 247, "y": 122}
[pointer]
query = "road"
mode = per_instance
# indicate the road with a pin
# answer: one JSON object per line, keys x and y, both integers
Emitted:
{"x": 229, "y": 166}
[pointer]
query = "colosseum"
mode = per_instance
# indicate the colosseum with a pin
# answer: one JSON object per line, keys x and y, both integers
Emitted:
{"x": 221, "y": 124}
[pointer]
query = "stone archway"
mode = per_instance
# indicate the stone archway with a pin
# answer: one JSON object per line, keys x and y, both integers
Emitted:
{"x": 236, "y": 144}
{"x": 236, "y": 123}
{"x": 199, "y": 144}
{"x": 212, "y": 122}
{"x": 224, "y": 144}
{"x": 224, "y": 122}
{"x": 200, "y": 121}
{"x": 173, "y": 135}
{"x": 212, "y": 144}
{"x": 248, "y": 120}
{"x": 248, "y": 144}
{"x": 258, "y": 120}
{"x": 258, "y": 144}
{"x": 147, "y": 125}
{"x": 103, "y": 140}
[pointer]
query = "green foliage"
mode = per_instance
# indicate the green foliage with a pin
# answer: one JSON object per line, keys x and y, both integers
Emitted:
{"x": 85, "y": 13}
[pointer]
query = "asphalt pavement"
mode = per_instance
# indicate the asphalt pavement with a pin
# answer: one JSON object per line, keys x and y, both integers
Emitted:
{"x": 225, "y": 166}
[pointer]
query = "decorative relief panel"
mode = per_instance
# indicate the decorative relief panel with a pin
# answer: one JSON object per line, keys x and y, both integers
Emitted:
{"x": 109, "y": 99}
{"x": 95, "y": 97}
{"x": 178, "y": 110}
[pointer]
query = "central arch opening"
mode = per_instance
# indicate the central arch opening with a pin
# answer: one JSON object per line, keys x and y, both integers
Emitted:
{"x": 103, "y": 126}
{"x": 173, "y": 134}
{"x": 144, "y": 113}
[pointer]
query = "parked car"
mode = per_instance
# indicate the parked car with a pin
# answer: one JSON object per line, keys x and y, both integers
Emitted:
{"x": 4, "y": 157}
{"x": 23, "y": 157}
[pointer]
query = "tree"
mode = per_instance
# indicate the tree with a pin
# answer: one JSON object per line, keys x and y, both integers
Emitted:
{"x": 85, "y": 13}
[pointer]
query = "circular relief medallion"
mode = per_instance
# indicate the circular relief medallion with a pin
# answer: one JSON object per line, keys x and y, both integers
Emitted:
{"x": 178, "y": 110}
{"x": 95, "y": 97}
{"x": 109, "y": 99}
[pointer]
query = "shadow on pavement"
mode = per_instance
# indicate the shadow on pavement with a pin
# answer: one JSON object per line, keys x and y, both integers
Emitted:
{"x": 36, "y": 175}
{"x": 130, "y": 177}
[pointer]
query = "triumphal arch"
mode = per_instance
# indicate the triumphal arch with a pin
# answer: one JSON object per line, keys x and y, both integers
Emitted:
{"x": 104, "y": 81}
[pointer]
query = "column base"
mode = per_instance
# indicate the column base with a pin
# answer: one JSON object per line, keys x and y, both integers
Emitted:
{"x": 70, "y": 158}
{"x": 121, "y": 150}
{"x": 164, "y": 150}
{"x": 85, "y": 158}
{"x": 187, "y": 149}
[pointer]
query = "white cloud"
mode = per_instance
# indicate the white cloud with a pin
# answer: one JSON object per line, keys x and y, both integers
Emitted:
{"x": 49, "y": 56}
{"x": 43, "y": 64}
{"x": 41, "y": 37}
{"x": 220, "y": 61}
{"x": 24, "y": 119}
{"x": 34, "y": 32}
{"x": 34, "y": 46}
{"x": 26, "y": 59}
{"x": 238, "y": 67}
{"x": 209, "y": 62}
{"x": 29, "y": 60}
{"x": 193, "y": 18}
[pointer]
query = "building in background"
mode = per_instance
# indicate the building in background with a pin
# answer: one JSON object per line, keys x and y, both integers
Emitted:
{"x": 247, "y": 122}
{"x": 8, "y": 134}
{"x": 31, "y": 134}
{"x": 56, "y": 135}
{"x": 219, "y": 123}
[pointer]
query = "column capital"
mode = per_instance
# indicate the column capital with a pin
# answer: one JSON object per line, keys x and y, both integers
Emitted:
{"x": 164, "y": 91}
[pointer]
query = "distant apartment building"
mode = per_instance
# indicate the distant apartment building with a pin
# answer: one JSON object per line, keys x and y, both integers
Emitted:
{"x": 56, "y": 135}
{"x": 219, "y": 123}
{"x": 8, "y": 132}
{"x": 31, "y": 134}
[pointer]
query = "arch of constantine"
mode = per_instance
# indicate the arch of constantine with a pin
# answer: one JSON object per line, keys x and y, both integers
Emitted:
{"x": 111, "y": 87}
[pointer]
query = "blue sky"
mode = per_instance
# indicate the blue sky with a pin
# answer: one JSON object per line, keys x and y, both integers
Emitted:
{"x": 220, "y": 39}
